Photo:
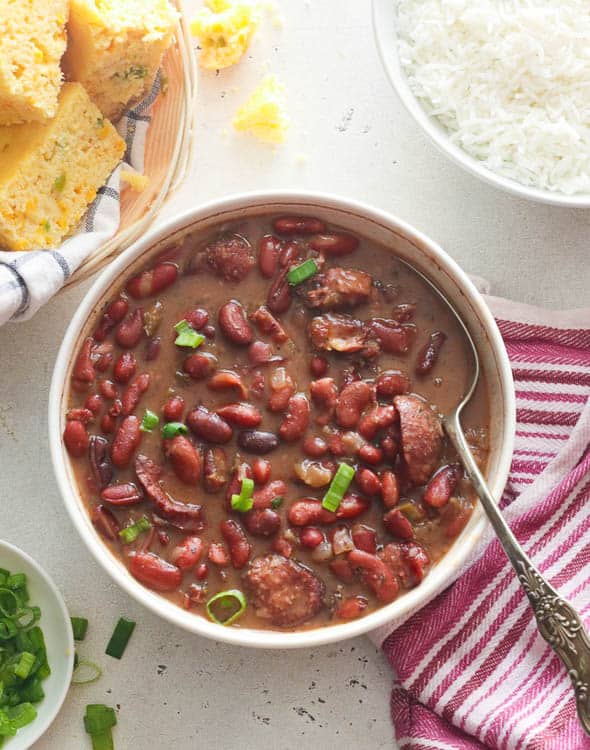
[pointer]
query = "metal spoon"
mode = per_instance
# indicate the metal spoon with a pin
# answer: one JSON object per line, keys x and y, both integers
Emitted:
{"x": 558, "y": 622}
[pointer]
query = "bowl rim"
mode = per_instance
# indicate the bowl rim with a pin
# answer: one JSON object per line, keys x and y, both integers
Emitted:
{"x": 412, "y": 600}
{"x": 47, "y": 581}
{"x": 385, "y": 32}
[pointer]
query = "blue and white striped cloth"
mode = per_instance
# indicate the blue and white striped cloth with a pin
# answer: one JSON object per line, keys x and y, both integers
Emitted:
{"x": 29, "y": 279}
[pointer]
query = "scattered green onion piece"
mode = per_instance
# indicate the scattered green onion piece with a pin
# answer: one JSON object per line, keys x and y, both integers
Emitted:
{"x": 172, "y": 429}
{"x": 276, "y": 502}
{"x": 187, "y": 336}
{"x": 338, "y": 487}
{"x": 226, "y": 600}
{"x": 302, "y": 272}
{"x": 120, "y": 638}
{"x": 80, "y": 627}
{"x": 244, "y": 501}
{"x": 86, "y": 672}
{"x": 130, "y": 533}
{"x": 149, "y": 422}
{"x": 98, "y": 722}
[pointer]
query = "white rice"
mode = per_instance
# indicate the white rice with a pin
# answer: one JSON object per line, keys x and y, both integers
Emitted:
{"x": 509, "y": 80}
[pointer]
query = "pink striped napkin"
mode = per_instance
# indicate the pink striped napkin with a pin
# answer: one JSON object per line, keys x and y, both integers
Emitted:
{"x": 472, "y": 670}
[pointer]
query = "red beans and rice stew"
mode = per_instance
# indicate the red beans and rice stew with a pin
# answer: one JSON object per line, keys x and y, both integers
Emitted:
{"x": 254, "y": 425}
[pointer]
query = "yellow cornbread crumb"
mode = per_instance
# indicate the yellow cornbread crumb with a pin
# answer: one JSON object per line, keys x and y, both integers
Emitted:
{"x": 135, "y": 180}
{"x": 262, "y": 113}
{"x": 224, "y": 29}
{"x": 50, "y": 172}
{"x": 115, "y": 48}
{"x": 32, "y": 41}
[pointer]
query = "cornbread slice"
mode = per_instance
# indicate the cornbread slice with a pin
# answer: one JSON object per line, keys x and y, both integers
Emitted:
{"x": 32, "y": 41}
{"x": 50, "y": 172}
{"x": 115, "y": 48}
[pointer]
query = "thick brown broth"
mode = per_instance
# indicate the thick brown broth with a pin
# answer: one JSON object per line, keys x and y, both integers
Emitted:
{"x": 434, "y": 529}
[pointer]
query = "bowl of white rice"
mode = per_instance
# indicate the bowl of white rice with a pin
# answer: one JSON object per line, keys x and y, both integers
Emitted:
{"x": 500, "y": 86}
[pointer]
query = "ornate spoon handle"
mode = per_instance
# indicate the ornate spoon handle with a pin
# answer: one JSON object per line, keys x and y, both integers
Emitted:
{"x": 558, "y": 622}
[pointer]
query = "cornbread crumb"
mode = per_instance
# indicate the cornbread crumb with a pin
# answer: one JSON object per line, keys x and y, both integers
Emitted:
{"x": 135, "y": 180}
{"x": 115, "y": 48}
{"x": 50, "y": 172}
{"x": 32, "y": 41}
{"x": 224, "y": 29}
{"x": 262, "y": 114}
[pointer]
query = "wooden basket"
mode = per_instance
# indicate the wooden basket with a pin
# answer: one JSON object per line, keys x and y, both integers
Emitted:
{"x": 168, "y": 151}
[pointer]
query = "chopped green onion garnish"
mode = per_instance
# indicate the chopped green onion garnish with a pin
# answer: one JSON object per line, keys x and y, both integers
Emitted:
{"x": 24, "y": 665}
{"x": 120, "y": 638}
{"x": 338, "y": 487}
{"x": 227, "y": 599}
{"x": 276, "y": 502}
{"x": 130, "y": 533}
{"x": 244, "y": 501}
{"x": 187, "y": 336}
{"x": 79, "y": 626}
{"x": 149, "y": 422}
{"x": 302, "y": 272}
{"x": 85, "y": 672}
{"x": 16, "y": 581}
{"x": 172, "y": 429}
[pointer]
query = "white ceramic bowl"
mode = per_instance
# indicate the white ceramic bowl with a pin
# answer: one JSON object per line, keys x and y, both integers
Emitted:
{"x": 385, "y": 25}
{"x": 59, "y": 641}
{"x": 406, "y": 242}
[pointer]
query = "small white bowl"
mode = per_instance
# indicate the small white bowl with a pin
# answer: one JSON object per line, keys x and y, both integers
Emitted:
{"x": 385, "y": 28}
{"x": 59, "y": 641}
{"x": 368, "y": 222}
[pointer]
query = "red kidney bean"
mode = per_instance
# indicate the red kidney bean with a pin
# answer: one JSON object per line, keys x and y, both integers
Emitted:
{"x": 442, "y": 485}
{"x": 308, "y": 511}
{"x": 173, "y": 409}
{"x": 314, "y": 446}
{"x": 261, "y": 469}
{"x": 209, "y": 426}
{"x": 365, "y": 538}
{"x": 279, "y": 297}
{"x": 217, "y": 554}
{"x": 268, "y": 253}
{"x": 261, "y": 353}
{"x": 376, "y": 419}
{"x": 376, "y": 574}
{"x": 187, "y": 552}
{"x": 214, "y": 469}
{"x": 324, "y": 394}
{"x": 200, "y": 365}
{"x": 108, "y": 389}
{"x": 318, "y": 366}
{"x": 94, "y": 403}
{"x": 105, "y": 522}
{"x": 352, "y": 607}
{"x": 76, "y": 438}
{"x": 370, "y": 454}
{"x": 125, "y": 442}
{"x": 352, "y": 400}
{"x": 184, "y": 457}
{"x": 225, "y": 380}
{"x": 404, "y": 312}
{"x": 116, "y": 408}
{"x": 209, "y": 332}
{"x": 392, "y": 383}
{"x": 80, "y": 415}
{"x": 282, "y": 389}
{"x": 393, "y": 337}
{"x": 152, "y": 349}
{"x": 197, "y": 318}
{"x": 416, "y": 558}
{"x": 201, "y": 572}
{"x": 290, "y": 225}
{"x": 122, "y": 494}
{"x": 114, "y": 314}
{"x": 102, "y": 356}
{"x": 389, "y": 445}
{"x": 130, "y": 330}
{"x": 342, "y": 569}
{"x": 352, "y": 505}
{"x": 258, "y": 384}
{"x": 239, "y": 546}
{"x": 83, "y": 369}
{"x": 233, "y": 323}
{"x": 282, "y": 546}
{"x": 389, "y": 489}
{"x": 397, "y": 524}
{"x": 263, "y": 497}
{"x": 368, "y": 482}
{"x": 336, "y": 444}
{"x": 428, "y": 355}
{"x": 265, "y": 522}
{"x": 241, "y": 415}
{"x": 311, "y": 536}
{"x": 334, "y": 244}
{"x": 269, "y": 325}
{"x": 295, "y": 421}
{"x": 100, "y": 460}
{"x": 134, "y": 392}
{"x": 108, "y": 423}
{"x": 259, "y": 442}
{"x": 154, "y": 572}
{"x": 163, "y": 538}
{"x": 151, "y": 282}
{"x": 289, "y": 254}
{"x": 125, "y": 367}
